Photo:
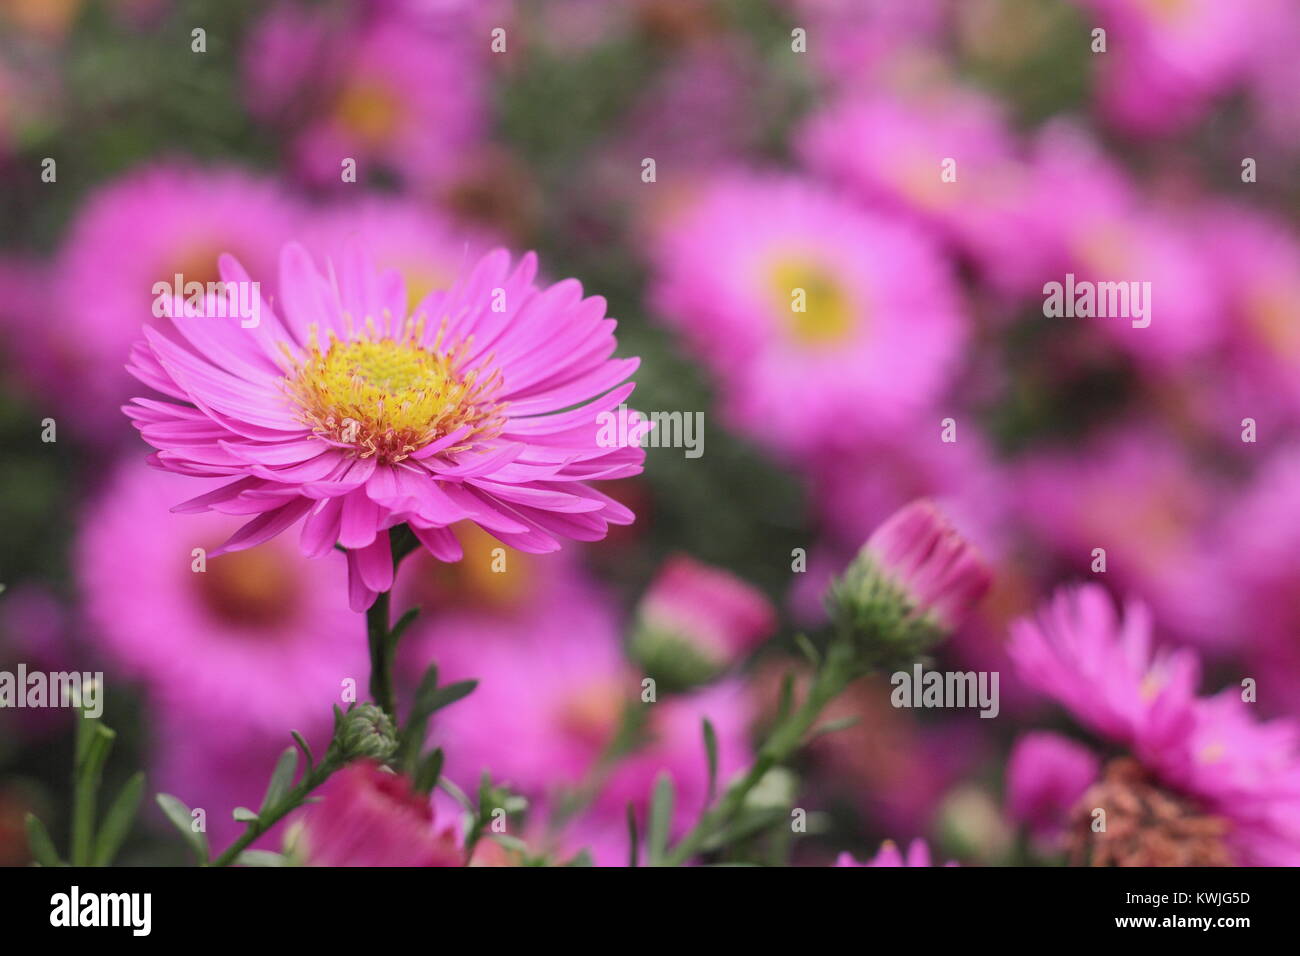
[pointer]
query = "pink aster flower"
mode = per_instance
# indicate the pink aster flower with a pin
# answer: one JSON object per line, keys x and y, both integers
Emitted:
{"x": 141, "y": 229}
{"x": 1124, "y": 486}
{"x": 824, "y": 324}
{"x": 255, "y": 642}
{"x": 701, "y": 612}
{"x": 1165, "y": 62}
{"x": 398, "y": 91}
{"x": 1102, "y": 666}
{"x": 369, "y": 816}
{"x": 918, "y": 854}
{"x": 1046, "y": 776}
{"x": 347, "y": 410}
{"x": 1209, "y": 783}
{"x": 889, "y": 151}
{"x": 552, "y": 680}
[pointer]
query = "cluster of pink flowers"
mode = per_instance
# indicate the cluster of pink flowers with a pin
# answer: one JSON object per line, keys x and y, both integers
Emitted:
{"x": 851, "y": 243}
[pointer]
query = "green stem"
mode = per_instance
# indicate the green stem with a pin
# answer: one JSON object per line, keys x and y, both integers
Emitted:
{"x": 379, "y": 633}
{"x": 831, "y": 678}
{"x": 291, "y": 801}
{"x": 381, "y": 652}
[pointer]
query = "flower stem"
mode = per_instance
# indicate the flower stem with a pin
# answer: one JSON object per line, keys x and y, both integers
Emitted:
{"x": 834, "y": 674}
{"x": 291, "y": 801}
{"x": 379, "y": 632}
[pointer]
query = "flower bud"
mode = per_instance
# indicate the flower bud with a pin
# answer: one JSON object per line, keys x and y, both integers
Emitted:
{"x": 908, "y": 588}
{"x": 368, "y": 732}
{"x": 695, "y": 621}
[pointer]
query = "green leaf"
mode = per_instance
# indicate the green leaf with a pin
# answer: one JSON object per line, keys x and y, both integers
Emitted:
{"x": 179, "y": 814}
{"x": 426, "y": 777}
{"x": 39, "y": 842}
{"x": 661, "y": 816}
{"x": 809, "y": 651}
{"x": 445, "y": 696}
{"x": 840, "y": 723}
{"x": 711, "y": 752}
{"x": 244, "y": 815}
{"x": 261, "y": 858}
{"x": 633, "y": 848}
{"x": 281, "y": 779}
{"x": 786, "y": 699}
{"x": 117, "y": 822}
{"x": 402, "y": 624}
{"x": 305, "y": 748}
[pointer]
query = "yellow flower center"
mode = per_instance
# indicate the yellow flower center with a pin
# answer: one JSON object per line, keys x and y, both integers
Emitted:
{"x": 383, "y": 393}
{"x": 368, "y": 110}
{"x": 817, "y": 309}
{"x": 252, "y": 590}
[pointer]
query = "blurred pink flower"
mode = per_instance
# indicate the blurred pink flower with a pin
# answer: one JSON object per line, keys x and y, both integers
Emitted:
{"x": 403, "y": 92}
{"x": 1046, "y": 776}
{"x": 131, "y": 233}
{"x": 257, "y": 643}
{"x": 1134, "y": 492}
{"x": 852, "y": 42}
{"x": 711, "y": 612}
{"x": 369, "y": 816}
{"x": 552, "y": 680}
{"x": 918, "y": 854}
{"x": 823, "y": 324}
{"x": 357, "y": 414}
{"x": 889, "y": 151}
{"x": 1165, "y": 62}
{"x": 1102, "y": 668}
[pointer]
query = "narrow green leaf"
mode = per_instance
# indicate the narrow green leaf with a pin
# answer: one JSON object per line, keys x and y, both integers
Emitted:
{"x": 426, "y": 777}
{"x": 281, "y": 779}
{"x": 402, "y": 624}
{"x": 786, "y": 699}
{"x": 633, "y": 847}
{"x": 711, "y": 752}
{"x": 305, "y": 748}
{"x": 661, "y": 816}
{"x": 261, "y": 858}
{"x": 840, "y": 723}
{"x": 179, "y": 814}
{"x": 445, "y": 696}
{"x": 809, "y": 651}
{"x": 39, "y": 842}
{"x": 118, "y": 820}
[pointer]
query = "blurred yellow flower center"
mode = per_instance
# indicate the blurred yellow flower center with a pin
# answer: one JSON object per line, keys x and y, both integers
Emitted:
{"x": 816, "y": 306}
{"x": 252, "y": 589}
{"x": 387, "y": 395}
{"x": 368, "y": 110}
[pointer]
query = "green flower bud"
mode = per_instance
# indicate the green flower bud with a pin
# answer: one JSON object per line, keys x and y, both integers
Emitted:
{"x": 368, "y": 732}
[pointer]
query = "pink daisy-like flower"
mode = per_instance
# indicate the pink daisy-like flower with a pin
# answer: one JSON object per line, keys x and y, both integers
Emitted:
{"x": 825, "y": 324}
{"x": 1210, "y": 784}
{"x": 918, "y": 854}
{"x": 1102, "y": 667}
{"x": 369, "y": 816}
{"x": 1046, "y": 775}
{"x": 399, "y": 90}
{"x": 255, "y": 642}
{"x": 138, "y": 230}
{"x": 346, "y": 411}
